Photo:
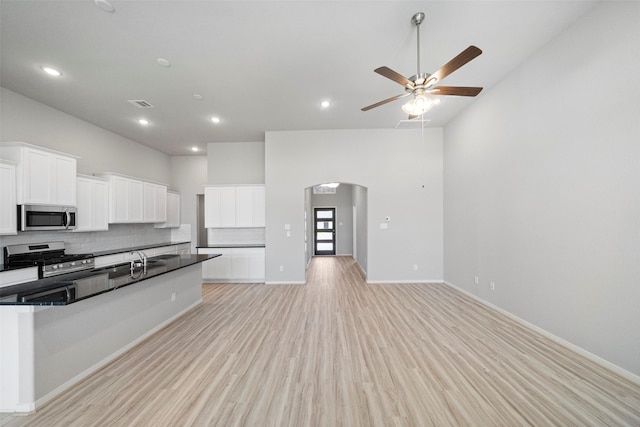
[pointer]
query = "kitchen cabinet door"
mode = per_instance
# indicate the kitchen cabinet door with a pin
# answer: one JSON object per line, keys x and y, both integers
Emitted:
{"x": 256, "y": 259}
{"x": 119, "y": 199}
{"x": 92, "y": 204}
{"x": 172, "y": 211}
{"x": 239, "y": 264}
{"x": 218, "y": 268}
{"x": 244, "y": 206}
{"x": 43, "y": 176}
{"x": 36, "y": 175}
{"x": 149, "y": 202}
{"x": 63, "y": 170}
{"x": 258, "y": 207}
{"x": 8, "y": 224}
{"x": 219, "y": 207}
{"x": 135, "y": 201}
{"x": 161, "y": 203}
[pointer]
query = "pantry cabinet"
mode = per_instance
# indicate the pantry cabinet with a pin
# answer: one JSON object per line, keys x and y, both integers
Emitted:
{"x": 8, "y": 218}
{"x": 43, "y": 176}
{"x": 238, "y": 206}
{"x": 93, "y": 204}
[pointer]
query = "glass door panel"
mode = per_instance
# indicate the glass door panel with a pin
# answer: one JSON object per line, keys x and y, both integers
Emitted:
{"x": 325, "y": 231}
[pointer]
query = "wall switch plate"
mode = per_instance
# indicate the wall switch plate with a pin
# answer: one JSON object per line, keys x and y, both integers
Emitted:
{"x": 476, "y": 280}
{"x": 173, "y": 297}
{"x": 493, "y": 286}
{"x": 415, "y": 267}
{"x": 384, "y": 225}
{"x": 282, "y": 268}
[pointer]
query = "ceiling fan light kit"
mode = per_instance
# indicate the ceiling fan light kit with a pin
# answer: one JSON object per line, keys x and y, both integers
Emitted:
{"x": 423, "y": 85}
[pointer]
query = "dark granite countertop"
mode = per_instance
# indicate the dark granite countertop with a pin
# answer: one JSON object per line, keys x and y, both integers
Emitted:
{"x": 73, "y": 287}
{"x": 108, "y": 252}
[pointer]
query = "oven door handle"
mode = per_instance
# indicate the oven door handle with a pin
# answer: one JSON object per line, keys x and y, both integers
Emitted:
{"x": 67, "y": 219}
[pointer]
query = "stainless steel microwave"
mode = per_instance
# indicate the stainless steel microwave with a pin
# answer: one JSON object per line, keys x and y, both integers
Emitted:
{"x": 40, "y": 217}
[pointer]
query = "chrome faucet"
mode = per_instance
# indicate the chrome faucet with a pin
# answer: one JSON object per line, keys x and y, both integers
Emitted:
{"x": 143, "y": 260}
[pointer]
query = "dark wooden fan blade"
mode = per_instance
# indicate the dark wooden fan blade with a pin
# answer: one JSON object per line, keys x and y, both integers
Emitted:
{"x": 465, "y": 56}
{"x": 396, "y": 77}
{"x": 455, "y": 90}
{"x": 411, "y": 117}
{"x": 377, "y": 104}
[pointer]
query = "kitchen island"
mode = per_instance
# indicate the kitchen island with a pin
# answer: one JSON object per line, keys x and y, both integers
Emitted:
{"x": 56, "y": 331}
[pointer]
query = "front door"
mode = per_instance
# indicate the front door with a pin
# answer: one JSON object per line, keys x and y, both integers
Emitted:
{"x": 324, "y": 232}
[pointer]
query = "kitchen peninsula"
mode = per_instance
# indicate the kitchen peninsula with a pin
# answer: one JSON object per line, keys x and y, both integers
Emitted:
{"x": 50, "y": 343}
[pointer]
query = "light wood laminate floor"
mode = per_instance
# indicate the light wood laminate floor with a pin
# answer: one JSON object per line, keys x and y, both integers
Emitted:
{"x": 339, "y": 352}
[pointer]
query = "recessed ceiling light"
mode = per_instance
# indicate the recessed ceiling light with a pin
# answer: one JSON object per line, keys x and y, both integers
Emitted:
{"x": 195, "y": 149}
{"x": 104, "y": 5}
{"x": 143, "y": 122}
{"x": 325, "y": 104}
{"x": 215, "y": 119}
{"x": 51, "y": 71}
{"x": 163, "y": 62}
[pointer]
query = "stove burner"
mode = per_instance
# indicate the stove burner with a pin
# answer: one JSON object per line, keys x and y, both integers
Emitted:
{"x": 49, "y": 257}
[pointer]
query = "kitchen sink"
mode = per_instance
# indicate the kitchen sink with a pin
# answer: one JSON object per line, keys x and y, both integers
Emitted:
{"x": 122, "y": 275}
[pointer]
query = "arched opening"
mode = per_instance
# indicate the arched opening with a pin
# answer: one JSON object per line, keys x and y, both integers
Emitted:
{"x": 335, "y": 221}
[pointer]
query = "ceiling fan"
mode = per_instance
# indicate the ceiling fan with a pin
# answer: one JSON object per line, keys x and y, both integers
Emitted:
{"x": 423, "y": 85}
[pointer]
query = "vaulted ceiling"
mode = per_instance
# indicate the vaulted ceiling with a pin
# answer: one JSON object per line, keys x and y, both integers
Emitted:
{"x": 257, "y": 65}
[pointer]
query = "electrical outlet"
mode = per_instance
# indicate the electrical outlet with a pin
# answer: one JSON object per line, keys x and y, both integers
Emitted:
{"x": 476, "y": 280}
{"x": 492, "y": 285}
{"x": 282, "y": 268}
{"x": 415, "y": 267}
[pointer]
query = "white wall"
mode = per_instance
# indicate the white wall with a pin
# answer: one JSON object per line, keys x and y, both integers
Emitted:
{"x": 235, "y": 163}
{"x": 542, "y": 193}
{"x": 361, "y": 225}
{"x": 26, "y": 120}
{"x": 189, "y": 176}
{"x": 402, "y": 170}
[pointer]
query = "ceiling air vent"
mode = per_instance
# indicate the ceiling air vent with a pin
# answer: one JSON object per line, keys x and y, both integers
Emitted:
{"x": 413, "y": 124}
{"x": 140, "y": 103}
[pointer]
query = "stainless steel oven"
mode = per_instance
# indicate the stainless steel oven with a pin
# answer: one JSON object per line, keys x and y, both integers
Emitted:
{"x": 41, "y": 217}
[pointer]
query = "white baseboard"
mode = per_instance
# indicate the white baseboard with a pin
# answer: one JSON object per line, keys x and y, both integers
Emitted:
{"x": 55, "y": 392}
{"x": 284, "y": 283}
{"x": 567, "y": 344}
{"x": 390, "y": 282}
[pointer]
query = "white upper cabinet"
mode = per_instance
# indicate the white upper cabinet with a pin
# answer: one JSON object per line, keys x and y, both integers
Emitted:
{"x": 43, "y": 176}
{"x": 239, "y": 206}
{"x": 173, "y": 211}
{"x": 134, "y": 201}
{"x": 93, "y": 204}
{"x": 155, "y": 202}
{"x": 8, "y": 219}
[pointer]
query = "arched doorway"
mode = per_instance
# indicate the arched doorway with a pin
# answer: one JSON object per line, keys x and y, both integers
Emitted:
{"x": 336, "y": 221}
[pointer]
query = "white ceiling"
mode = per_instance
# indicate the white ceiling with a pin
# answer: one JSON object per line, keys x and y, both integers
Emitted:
{"x": 260, "y": 65}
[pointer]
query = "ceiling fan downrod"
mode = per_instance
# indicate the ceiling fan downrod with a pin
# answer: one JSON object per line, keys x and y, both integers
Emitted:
{"x": 417, "y": 20}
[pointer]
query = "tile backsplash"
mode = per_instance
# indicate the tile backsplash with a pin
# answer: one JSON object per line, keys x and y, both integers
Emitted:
{"x": 118, "y": 236}
{"x": 236, "y": 235}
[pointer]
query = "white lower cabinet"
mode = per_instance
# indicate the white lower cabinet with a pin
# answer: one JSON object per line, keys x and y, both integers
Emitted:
{"x": 234, "y": 265}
